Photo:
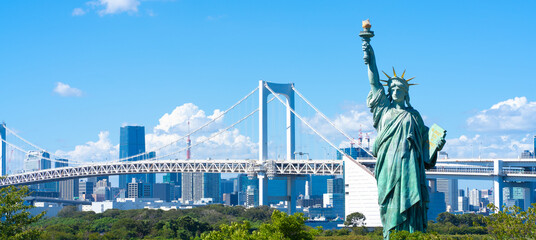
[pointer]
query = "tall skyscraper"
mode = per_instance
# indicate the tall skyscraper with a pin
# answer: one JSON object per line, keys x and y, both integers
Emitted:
{"x": 132, "y": 143}
{"x": 226, "y": 186}
{"x": 474, "y": 199}
{"x": 211, "y": 186}
{"x": 241, "y": 184}
{"x": 335, "y": 185}
{"x": 85, "y": 190}
{"x": 3, "y": 166}
{"x": 68, "y": 189}
{"x": 319, "y": 184}
{"x": 450, "y": 188}
{"x": 201, "y": 185}
{"x": 39, "y": 160}
{"x": 163, "y": 191}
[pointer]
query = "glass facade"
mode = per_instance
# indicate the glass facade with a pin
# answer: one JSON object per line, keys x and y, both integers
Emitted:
{"x": 131, "y": 143}
{"x": 3, "y": 166}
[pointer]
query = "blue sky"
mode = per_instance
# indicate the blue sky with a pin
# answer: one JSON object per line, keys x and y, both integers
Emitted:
{"x": 131, "y": 62}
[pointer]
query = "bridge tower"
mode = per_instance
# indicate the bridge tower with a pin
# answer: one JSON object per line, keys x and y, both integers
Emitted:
{"x": 287, "y": 91}
{"x": 3, "y": 166}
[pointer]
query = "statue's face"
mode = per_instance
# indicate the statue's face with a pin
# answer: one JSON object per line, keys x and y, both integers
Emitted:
{"x": 398, "y": 94}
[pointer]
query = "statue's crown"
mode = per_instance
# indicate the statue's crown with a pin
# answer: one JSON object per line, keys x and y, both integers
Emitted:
{"x": 397, "y": 78}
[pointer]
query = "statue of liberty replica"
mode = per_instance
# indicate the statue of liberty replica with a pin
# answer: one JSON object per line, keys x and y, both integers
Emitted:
{"x": 404, "y": 148}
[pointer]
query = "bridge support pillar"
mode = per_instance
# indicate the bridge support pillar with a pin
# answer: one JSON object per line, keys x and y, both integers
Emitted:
{"x": 3, "y": 166}
{"x": 291, "y": 194}
{"x": 498, "y": 183}
{"x": 263, "y": 188}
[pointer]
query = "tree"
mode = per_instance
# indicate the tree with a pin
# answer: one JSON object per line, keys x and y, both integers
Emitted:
{"x": 282, "y": 227}
{"x": 512, "y": 223}
{"x": 14, "y": 216}
{"x": 355, "y": 219}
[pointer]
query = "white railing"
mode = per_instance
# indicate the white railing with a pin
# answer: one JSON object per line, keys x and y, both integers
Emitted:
{"x": 279, "y": 167}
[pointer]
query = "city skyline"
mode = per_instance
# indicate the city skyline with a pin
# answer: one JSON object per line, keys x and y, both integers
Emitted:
{"x": 103, "y": 66}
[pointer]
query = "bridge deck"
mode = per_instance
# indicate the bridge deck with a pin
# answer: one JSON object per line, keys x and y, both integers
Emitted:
{"x": 512, "y": 170}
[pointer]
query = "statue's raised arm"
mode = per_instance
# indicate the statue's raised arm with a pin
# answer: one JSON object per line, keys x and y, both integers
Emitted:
{"x": 369, "y": 57}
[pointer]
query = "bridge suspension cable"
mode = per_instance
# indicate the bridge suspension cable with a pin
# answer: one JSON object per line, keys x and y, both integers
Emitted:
{"x": 211, "y": 136}
{"x": 46, "y": 158}
{"x": 329, "y": 121}
{"x": 196, "y": 130}
{"x": 29, "y": 143}
{"x": 314, "y": 130}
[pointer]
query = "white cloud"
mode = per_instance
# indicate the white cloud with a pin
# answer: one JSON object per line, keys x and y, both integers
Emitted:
{"x": 65, "y": 90}
{"x": 502, "y": 131}
{"x": 489, "y": 146}
{"x": 174, "y": 126}
{"x": 177, "y": 120}
{"x": 118, "y": 6}
{"x": 78, "y": 12}
{"x": 99, "y": 151}
{"x": 516, "y": 114}
{"x": 355, "y": 118}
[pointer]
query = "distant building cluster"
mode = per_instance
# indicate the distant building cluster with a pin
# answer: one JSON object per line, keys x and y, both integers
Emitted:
{"x": 319, "y": 197}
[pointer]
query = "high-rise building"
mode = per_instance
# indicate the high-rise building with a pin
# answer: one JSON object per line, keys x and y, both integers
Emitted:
{"x": 227, "y": 185}
{"x": 335, "y": 185}
{"x": 450, "y": 188}
{"x": 139, "y": 189}
{"x": 163, "y": 191}
{"x": 132, "y": 143}
{"x": 37, "y": 160}
{"x": 201, "y": 185}
{"x": 230, "y": 199}
{"x": 241, "y": 184}
{"x": 461, "y": 193}
{"x": 463, "y": 203}
{"x": 335, "y": 201}
{"x": 474, "y": 200}
{"x": 175, "y": 178}
{"x": 526, "y": 154}
{"x": 251, "y": 192}
{"x": 3, "y": 166}
{"x": 68, "y": 189}
{"x": 85, "y": 190}
{"x": 354, "y": 152}
{"x": 319, "y": 184}
{"x": 211, "y": 186}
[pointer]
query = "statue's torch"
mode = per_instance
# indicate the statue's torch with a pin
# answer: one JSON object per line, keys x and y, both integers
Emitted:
{"x": 366, "y": 35}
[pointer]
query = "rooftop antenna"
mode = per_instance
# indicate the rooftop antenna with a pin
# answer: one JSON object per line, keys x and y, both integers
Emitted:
{"x": 188, "y": 142}
{"x": 360, "y": 142}
{"x": 368, "y": 141}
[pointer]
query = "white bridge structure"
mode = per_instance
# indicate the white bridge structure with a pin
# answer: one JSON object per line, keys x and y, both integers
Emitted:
{"x": 360, "y": 185}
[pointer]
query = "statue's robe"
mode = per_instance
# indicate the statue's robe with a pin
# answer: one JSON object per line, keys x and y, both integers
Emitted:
{"x": 402, "y": 152}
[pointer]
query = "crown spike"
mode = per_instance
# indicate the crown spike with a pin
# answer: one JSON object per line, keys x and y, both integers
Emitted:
{"x": 386, "y": 74}
{"x": 384, "y": 85}
{"x": 410, "y": 79}
{"x": 403, "y": 73}
{"x": 411, "y": 84}
{"x": 384, "y": 80}
{"x": 394, "y": 73}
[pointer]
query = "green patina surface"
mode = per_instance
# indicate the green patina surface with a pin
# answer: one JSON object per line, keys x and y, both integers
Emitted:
{"x": 402, "y": 149}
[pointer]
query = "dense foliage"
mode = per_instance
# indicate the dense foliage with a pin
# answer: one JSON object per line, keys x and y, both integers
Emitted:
{"x": 14, "y": 217}
{"x": 281, "y": 227}
{"x": 146, "y": 223}
{"x": 218, "y": 222}
{"x": 512, "y": 223}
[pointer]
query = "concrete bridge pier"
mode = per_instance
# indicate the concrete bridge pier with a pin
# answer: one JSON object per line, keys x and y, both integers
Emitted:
{"x": 498, "y": 183}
